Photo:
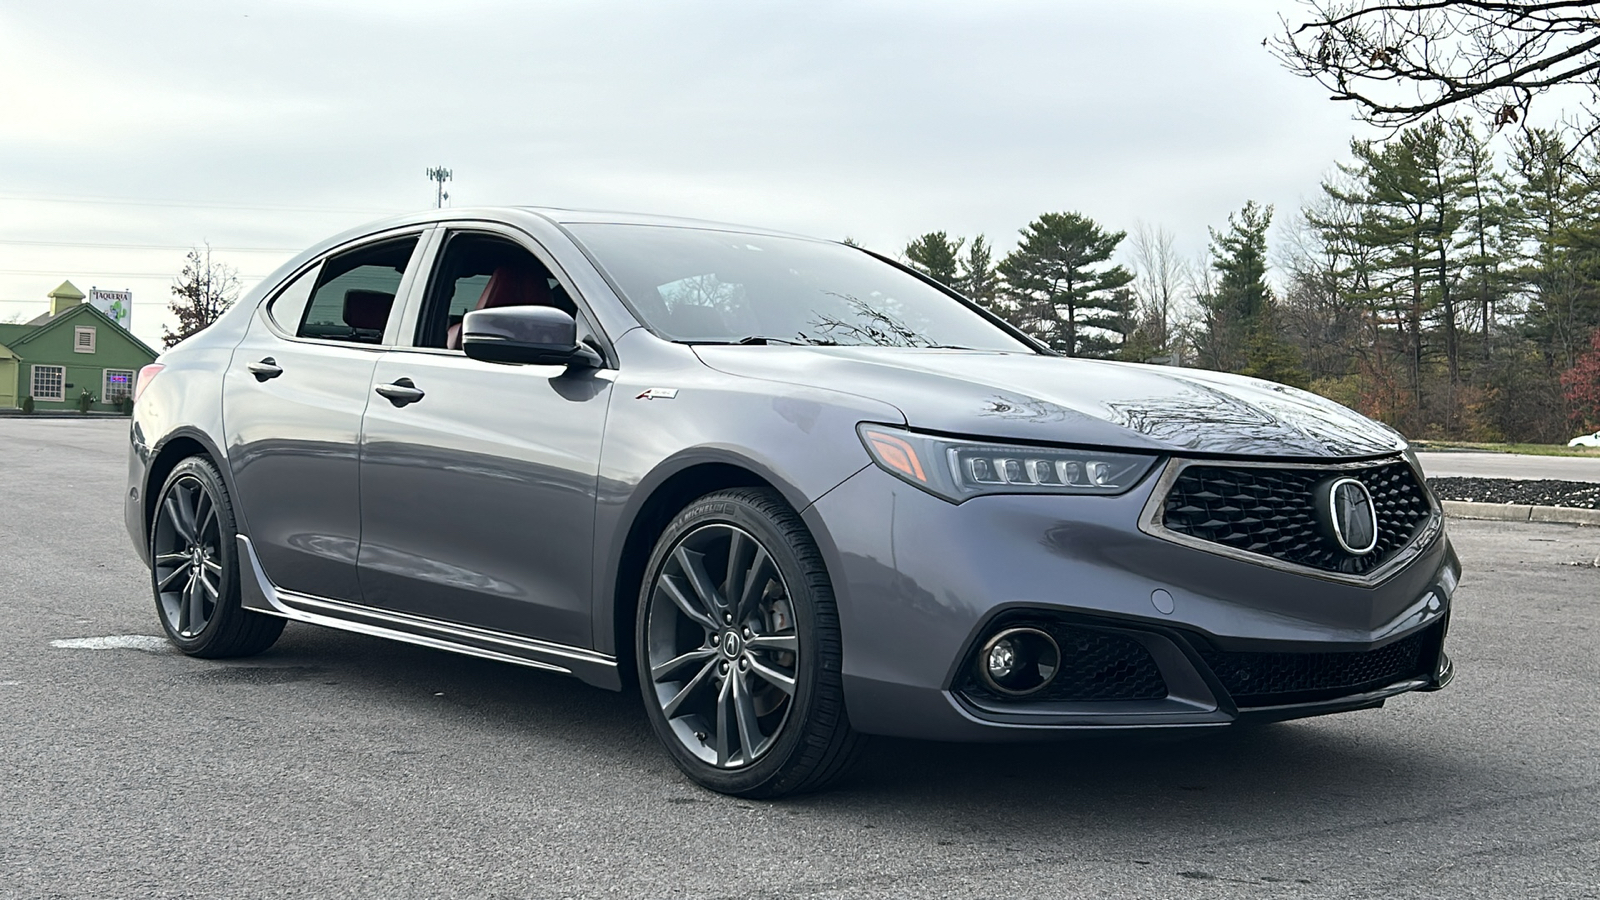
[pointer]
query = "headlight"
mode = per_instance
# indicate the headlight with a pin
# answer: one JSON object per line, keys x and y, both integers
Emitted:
{"x": 957, "y": 469}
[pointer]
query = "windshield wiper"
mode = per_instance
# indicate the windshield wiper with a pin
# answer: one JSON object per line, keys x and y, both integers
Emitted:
{"x": 761, "y": 339}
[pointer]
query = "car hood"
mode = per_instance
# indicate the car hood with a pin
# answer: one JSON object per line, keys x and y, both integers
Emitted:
{"x": 1074, "y": 401}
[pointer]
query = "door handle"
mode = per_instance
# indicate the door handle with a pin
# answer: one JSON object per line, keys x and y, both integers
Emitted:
{"x": 266, "y": 368}
{"x": 401, "y": 392}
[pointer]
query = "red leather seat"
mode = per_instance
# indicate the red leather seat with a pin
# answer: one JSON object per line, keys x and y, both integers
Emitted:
{"x": 511, "y": 285}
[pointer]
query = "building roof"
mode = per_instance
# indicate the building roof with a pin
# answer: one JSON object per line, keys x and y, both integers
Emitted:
{"x": 66, "y": 291}
{"x": 44, "y": 323}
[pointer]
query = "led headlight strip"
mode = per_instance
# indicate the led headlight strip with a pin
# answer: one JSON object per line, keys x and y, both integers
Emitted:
{"x": 957, "y": 469}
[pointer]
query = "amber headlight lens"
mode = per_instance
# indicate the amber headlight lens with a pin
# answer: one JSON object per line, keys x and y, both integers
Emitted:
{"x": 958, "y": 469}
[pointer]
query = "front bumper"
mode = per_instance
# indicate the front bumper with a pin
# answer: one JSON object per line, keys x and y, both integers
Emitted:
{"x": 921, "y": 582}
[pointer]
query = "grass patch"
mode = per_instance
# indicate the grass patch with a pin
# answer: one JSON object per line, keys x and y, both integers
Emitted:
{"x": 1528, "y": 449}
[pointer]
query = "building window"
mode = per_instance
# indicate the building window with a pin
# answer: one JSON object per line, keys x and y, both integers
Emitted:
{"x": 49, "y": 382}
{"x": 118, "y": 384}
{"x": 83, "y": 339}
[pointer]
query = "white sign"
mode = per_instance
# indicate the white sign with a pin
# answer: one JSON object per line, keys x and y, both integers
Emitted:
{"x": 116, "y": 304}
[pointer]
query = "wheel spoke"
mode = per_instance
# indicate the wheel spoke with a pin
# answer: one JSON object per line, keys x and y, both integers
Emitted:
{"x": 694, "y": 569}
{"x": 677, "y": 663}
{"x": 175, "y": 516}
{"x": 195, "y": 614}
{"x": 744, "y": 710}
{"x": 173, "y": 575}
{"x": 670, "y": 709}
{"x": 730, "y": 579}
{"x": 206, "y": 582}
{"x": 724, "y": 700}
{"x": 773, "y": 677}
{"x": 754, "y": 584}
{"x": 205, "y": 523}
{"x": 167, "y": 559}
{"x": 212, "y": 566}
{"x": 775, "y": 642}
{"x": 686, "y": 605}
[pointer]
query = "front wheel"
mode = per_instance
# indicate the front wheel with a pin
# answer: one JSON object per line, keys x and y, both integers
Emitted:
{"x": 738, "y": 649}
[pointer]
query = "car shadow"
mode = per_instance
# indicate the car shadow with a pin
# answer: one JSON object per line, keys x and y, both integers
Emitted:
{"x": 1376, "y": 764}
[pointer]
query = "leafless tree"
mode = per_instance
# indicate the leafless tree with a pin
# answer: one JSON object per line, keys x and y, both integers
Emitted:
{"x": 1398, "y": 61}
{"x": 1160, "y": 275}
{"x": 201, "y": 294}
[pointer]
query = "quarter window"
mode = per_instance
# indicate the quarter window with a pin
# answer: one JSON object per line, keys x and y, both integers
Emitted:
{"x": 83, "y": 339}
{"x": 288, "y": 309}
{"x": 49, "y": 382}
{"x": 355, "y": 293}
{"x": 118, "y": 384}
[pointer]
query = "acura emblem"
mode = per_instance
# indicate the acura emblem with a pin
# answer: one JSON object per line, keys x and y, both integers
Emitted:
{"x": 1353, "y": 516}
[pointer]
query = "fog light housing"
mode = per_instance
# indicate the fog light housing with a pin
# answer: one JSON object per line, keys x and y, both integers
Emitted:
{"x": 1019, "y": 661}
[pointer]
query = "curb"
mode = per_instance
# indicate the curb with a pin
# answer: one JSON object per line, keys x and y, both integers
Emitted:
{"x": 1519, "y": 512}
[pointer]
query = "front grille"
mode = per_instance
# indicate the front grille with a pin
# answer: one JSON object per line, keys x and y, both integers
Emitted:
{"x": 1095, "y": 666}
{"x": 1272, "y": 511}
{"x": 1273, "y": 679}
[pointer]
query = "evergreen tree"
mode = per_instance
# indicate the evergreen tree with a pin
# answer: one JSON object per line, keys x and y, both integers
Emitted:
{"x": 1061, "y": 288}
{"x": 937, "y": 256}
{"x": 1241, "y": 331}
{"x": 978, "y": 279}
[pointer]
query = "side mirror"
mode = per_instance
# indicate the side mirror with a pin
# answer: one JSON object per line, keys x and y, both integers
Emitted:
{"x": 534, "y": 335}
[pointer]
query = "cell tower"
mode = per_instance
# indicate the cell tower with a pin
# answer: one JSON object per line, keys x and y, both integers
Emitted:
{"x": 439, "y": 175}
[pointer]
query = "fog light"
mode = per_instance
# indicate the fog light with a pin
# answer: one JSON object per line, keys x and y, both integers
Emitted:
{"x": 1017, "y": 662}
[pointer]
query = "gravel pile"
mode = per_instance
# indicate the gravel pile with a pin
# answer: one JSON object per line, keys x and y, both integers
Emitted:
{"x": 1575, "y": 494}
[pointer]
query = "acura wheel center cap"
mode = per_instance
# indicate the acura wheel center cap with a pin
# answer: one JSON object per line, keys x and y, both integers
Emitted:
{"x": 732, "y": 644}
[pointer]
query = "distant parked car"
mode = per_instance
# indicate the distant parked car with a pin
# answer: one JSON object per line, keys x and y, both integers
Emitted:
{"x": 1585, "y": 440}
{"x": 790, "y": 491}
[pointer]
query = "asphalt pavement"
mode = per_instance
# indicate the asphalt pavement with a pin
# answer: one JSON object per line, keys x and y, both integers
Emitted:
{"x": 341, "y": 766}
{"x": 1468, "y": 464}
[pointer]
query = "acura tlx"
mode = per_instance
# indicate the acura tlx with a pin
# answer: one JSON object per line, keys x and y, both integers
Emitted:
{"x": 793, "y": 492}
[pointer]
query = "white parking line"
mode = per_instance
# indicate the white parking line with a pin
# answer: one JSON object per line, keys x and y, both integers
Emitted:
{"x": 116, "y": 642}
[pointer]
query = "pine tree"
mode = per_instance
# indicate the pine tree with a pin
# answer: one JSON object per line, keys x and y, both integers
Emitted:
{"x": 978, "y": 279}
{"x": 1061, "y": 289}
{"x": 937, "y": 256}
{"x": 1242, "y": 332}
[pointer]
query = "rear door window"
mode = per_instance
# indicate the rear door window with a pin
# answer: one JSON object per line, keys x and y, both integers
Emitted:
{"x": 355, "y": 293}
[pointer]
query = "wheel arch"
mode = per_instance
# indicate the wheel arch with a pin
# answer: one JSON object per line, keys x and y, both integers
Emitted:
{"x": 671, "y": 487}
{"x": 176, "y": 447}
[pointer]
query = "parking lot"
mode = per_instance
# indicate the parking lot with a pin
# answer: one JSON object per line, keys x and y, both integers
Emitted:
{"x": 341, "y": 766}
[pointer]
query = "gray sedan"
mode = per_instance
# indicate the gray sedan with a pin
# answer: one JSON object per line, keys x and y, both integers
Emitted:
{"x": 792, "y": 492}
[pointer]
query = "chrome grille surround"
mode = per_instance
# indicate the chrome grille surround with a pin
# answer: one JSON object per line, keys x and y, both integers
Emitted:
{"x": 1152, "y": 520}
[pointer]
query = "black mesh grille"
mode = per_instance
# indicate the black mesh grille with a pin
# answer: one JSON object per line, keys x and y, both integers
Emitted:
{"x": 1272, "y": 511}
{"x": 1095, "y": 666}
{"x": 1273, "y": 679}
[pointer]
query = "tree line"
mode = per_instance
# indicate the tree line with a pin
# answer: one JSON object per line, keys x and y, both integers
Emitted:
{"x": 1433, "y": 284}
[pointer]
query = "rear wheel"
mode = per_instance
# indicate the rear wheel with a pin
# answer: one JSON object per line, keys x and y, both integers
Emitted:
{"x": 194, "y": 570}
{"x": 738, "y": 649}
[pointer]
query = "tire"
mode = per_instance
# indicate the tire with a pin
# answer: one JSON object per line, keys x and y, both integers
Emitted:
{"x": 712, "y": 667}
{"x": 194, "y": 568}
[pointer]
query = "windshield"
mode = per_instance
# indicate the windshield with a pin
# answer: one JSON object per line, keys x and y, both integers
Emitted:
{"x": 703, "y": 286}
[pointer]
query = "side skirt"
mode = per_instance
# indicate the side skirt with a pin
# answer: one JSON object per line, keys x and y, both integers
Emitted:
{"x": 259, "y": 594}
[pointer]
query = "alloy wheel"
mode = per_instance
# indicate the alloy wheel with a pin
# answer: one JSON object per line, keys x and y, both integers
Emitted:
{"x": 188, "y": 562}
{"x": 723, "y": 649}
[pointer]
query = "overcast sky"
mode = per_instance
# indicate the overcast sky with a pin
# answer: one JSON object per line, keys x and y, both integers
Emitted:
{"x": 129, "y": 131}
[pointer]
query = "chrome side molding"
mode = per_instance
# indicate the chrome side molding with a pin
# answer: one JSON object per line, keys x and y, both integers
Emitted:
{"x": 260, "y": 595}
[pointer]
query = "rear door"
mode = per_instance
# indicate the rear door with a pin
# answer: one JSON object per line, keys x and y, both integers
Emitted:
{"x": 478, "y": 496}
{"x": 293, "y": 398}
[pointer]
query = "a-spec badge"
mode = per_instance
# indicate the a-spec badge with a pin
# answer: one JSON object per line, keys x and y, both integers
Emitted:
{"x": 658, "y": 394}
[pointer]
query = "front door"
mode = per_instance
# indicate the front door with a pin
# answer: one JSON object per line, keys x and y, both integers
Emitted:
{"x": 293, "y": 398}
{"x": 478, "y": 480}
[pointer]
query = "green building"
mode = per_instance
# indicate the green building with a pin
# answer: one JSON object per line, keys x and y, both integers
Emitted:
{"x": 69, "y": 350}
